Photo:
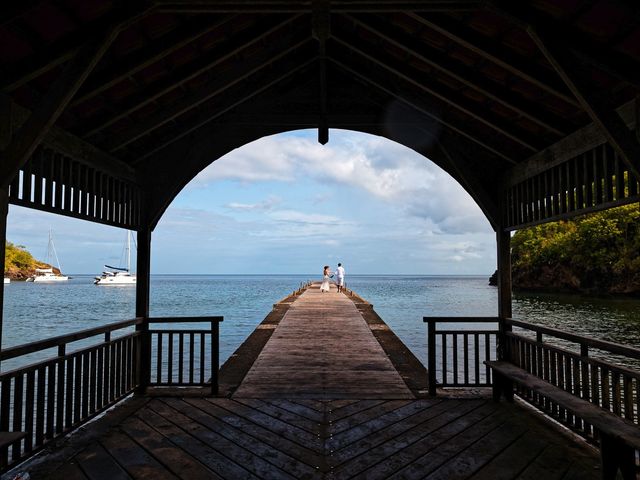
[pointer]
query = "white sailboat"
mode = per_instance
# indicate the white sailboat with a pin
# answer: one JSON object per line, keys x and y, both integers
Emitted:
{"x": 47, "y": 275}
{"x": 7, "y": 280}
{"x": 118, "y": 275}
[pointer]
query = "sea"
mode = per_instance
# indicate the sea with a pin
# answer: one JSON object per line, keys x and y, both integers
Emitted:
{"x": 35, "y": 311}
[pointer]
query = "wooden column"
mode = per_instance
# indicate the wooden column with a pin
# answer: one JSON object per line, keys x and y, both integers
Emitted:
{"x": 143, "y": 273}
{"x": 4, "y": 210}
{"x": 503, "y": 241}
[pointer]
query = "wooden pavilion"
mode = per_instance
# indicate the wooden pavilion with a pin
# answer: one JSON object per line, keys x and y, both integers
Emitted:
{"x": 110, "y": 107}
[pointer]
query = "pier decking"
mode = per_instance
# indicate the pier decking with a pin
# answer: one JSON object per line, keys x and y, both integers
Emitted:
{"x": 323, "y": 349}
{"x": 322, "y": 400}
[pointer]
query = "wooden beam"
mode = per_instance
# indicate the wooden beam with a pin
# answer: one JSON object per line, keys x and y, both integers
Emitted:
{"x": 4, "y": 210}
{"x": 582, "y": 47}
{"x": 191, "y": 6}
{"x": 466, "y": 76}
{"x": 234, "y": 47}
{"x": 487, "y": 49}
{"x": 238, "y": 72}
{"x": 157, "y": 50}
{"x": 14, "y": 10}
{"x": 60, "y": 51}
{"x": 231, "y": 102}
{"x": 597, "y": 105}
{"x": 480, "y": 115}
{"x": 321, "y": 32}
{"x": 29, "y": 136}
{"x": 416, "y": 105}
{"x": 64, "y": 142}
{"x": 572, "y": 145}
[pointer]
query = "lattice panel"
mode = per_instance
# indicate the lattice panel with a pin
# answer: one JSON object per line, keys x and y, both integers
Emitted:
{"x": 592, "y": 181}
{"x": 59, "y": 184}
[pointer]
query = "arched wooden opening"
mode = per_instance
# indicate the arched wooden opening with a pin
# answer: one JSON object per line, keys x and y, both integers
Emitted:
{"x": 531, "y": 106}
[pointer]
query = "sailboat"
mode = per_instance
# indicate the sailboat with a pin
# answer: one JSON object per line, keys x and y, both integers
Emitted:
{"x": 47, "y": 275}
{"x": 118, "y": 275}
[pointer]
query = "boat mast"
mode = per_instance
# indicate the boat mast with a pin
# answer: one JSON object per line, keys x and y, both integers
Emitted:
{"x": 128, "y": 251}
{"x": 51, "y": 248}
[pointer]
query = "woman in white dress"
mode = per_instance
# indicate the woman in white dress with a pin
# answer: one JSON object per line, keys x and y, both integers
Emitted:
{"x": 326, "y": 275}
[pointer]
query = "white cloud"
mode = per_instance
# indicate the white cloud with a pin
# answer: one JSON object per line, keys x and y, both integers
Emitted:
{"x": 384, "y": 169}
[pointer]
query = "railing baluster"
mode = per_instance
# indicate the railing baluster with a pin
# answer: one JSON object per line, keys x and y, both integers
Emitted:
{"x": 51, "y": 401}
{"x": 476, "y": 356}
{"x": 455, "y": 359}
{"x": 180, "y": 358}
{"x": 202, "y": 357}
{"x": 191, "y": 355}
{"x": 28, "y": 411}
{"x": 40, "y": 406}
{"x": 465, "y": 352}
{"x": 444, "y": 360}
{"x": 5, "y": 409}
{"x": 159, "y": 358}
{"x": 18, "y": 407}
{"x": 170, "y": 358}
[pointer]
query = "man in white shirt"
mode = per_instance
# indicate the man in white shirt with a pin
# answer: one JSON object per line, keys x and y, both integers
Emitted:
{"x": 340, "y": 277}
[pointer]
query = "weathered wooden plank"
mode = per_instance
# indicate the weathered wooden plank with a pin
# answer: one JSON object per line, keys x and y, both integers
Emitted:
{"x": 214, "y": 431}
{"x": 97, "y": 464}
{"x": 134, "y": 459}
{"x": 175, "y": 459}
{"x": 379, "y": 456}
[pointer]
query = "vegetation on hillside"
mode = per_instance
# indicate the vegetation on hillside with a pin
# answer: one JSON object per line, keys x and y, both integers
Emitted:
{"x": 597, "y": 252}
{"x": 19, "y": 263}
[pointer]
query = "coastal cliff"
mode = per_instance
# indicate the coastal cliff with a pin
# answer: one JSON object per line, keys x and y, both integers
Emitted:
{"x": 20, "y": 264}
{"x": 598, "y": 253}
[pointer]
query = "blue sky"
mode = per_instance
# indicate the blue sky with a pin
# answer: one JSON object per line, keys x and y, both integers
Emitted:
{"x": 286, "y": 204}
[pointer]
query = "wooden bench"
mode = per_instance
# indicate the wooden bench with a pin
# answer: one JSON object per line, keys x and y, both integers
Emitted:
{"x": 8, "y": 438}
{"x": 619, "y": 438}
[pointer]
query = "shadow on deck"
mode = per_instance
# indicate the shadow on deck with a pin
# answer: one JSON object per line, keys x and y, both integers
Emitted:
{"x": 236, "y": 438}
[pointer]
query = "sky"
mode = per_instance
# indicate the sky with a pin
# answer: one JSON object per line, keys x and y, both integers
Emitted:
{"x": 285, "y": 204}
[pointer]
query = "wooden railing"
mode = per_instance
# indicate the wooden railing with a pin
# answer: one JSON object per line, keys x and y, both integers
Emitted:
{"x": 458, "y": 354}
{"x": 578, "y": 365}
{"x": 178, "y": 358}
{"x": 50, "y": 397}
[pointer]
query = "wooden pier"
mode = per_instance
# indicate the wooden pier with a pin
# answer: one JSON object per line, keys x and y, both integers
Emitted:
{"x": 323, "y": 399}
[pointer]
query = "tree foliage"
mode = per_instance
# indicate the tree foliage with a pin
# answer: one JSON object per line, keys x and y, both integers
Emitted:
{"x": 17, "y": 257}
{"x": 597, "y": 252}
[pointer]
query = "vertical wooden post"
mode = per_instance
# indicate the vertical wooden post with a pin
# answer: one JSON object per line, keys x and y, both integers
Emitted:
{"x": 143, "y": 273}
{"x": 4, "y": 210}
{"x": 431, "y": 352}
{"x": 503, "y": 241}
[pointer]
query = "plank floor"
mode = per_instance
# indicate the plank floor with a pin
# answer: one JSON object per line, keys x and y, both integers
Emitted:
{"x": 323, "y": 349}
{"x": 369, "y": 439}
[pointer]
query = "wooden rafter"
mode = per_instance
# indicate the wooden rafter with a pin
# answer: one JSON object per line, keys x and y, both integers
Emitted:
{"x": 416, "y": 105}
{"x": 195, "y": 6}
{"x": 230, "y": 102}
{"x": 236, "y": 45}
{"x": 29, "y": 136}
{"x": 492, "y": 52}
{"x": 13, "y": 10}
{"x": 465, "y": 76}
{"x": 585, "y": 49}
{"x": 57, "y": 53}
{"x": 597, "y": 106}
{"x": 156, "y": 51}
{"x": 219, "y": 84}
{"x": 446, "y": 97}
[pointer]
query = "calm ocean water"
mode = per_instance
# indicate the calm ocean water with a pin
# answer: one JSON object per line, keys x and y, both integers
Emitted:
{"x": 35, "y": 311}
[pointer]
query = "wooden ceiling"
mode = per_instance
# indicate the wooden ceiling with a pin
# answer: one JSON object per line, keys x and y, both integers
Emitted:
{"x": 163, "y": 88}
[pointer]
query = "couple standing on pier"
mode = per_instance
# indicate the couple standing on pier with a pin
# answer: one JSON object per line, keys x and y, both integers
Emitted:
{"x": 327, "y": 274}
